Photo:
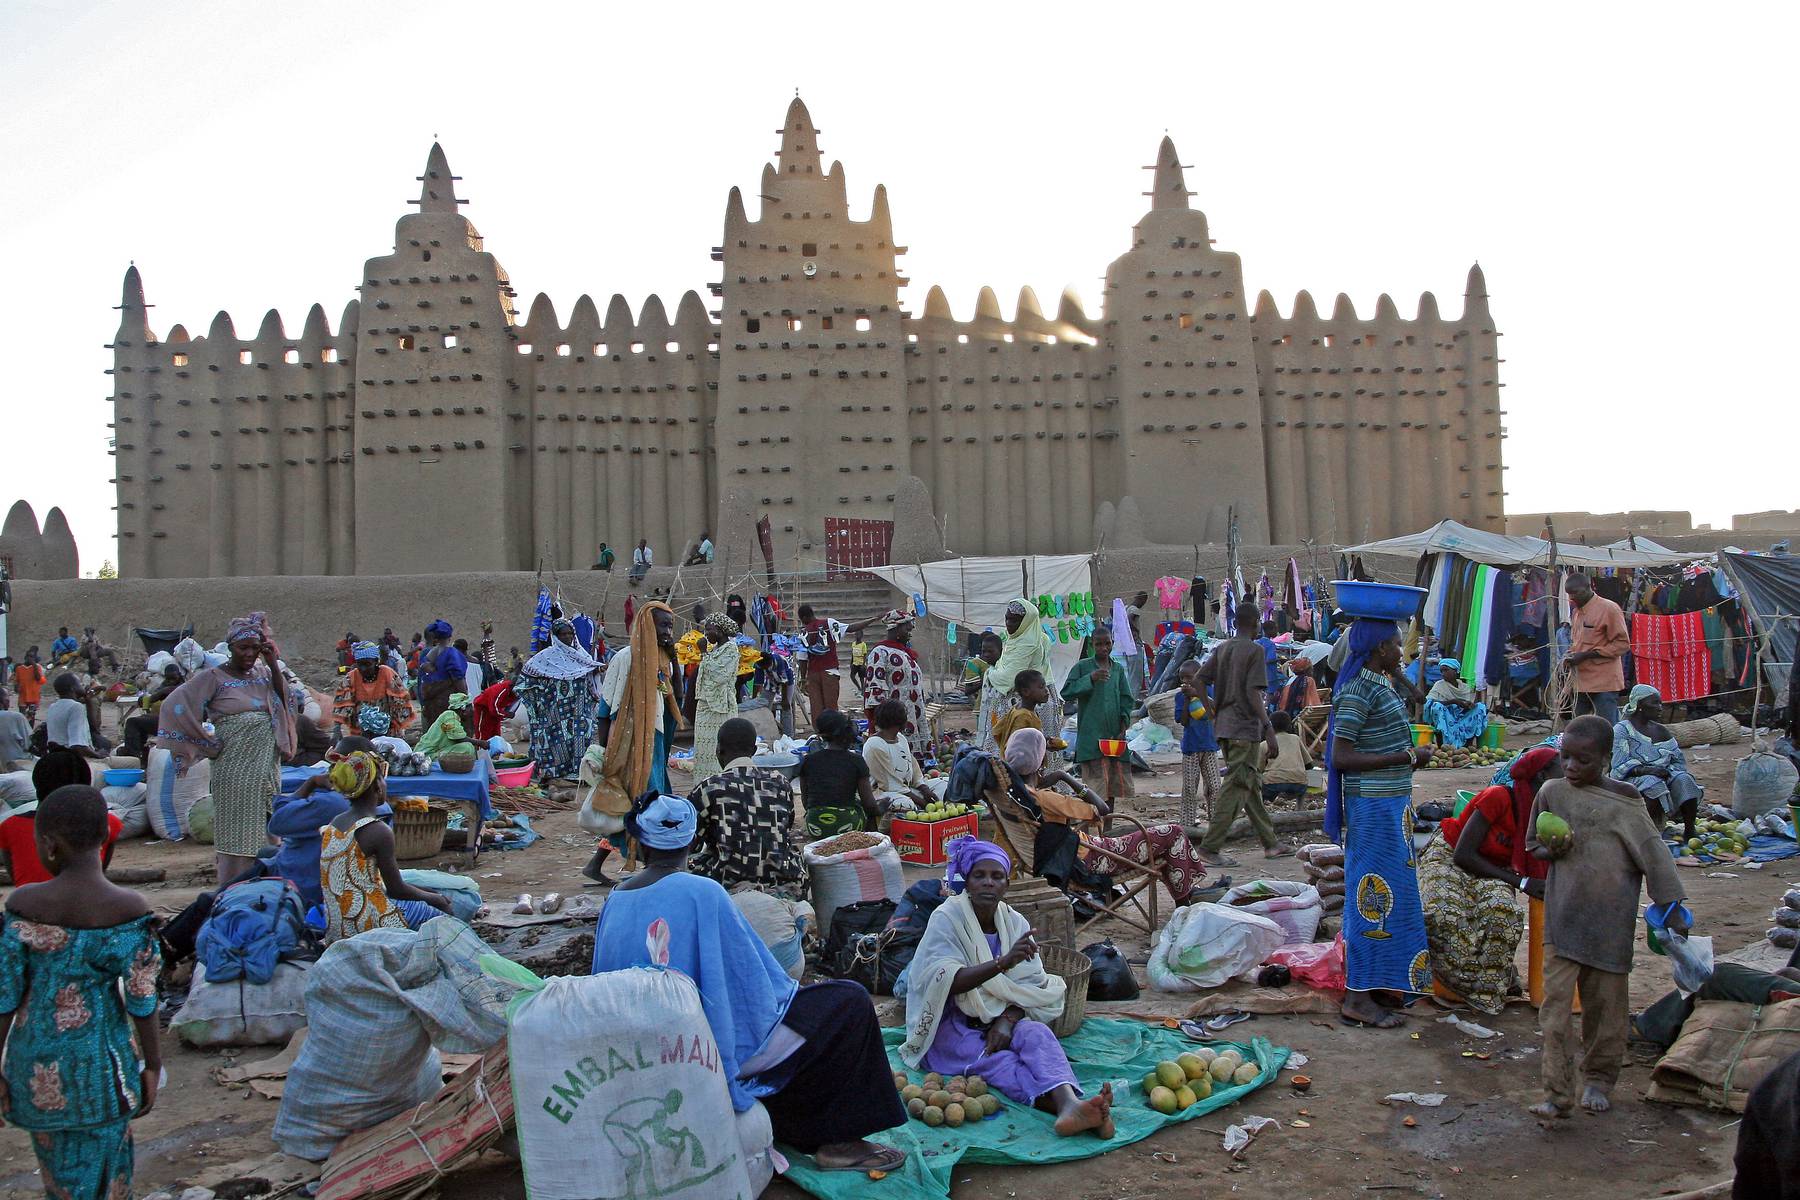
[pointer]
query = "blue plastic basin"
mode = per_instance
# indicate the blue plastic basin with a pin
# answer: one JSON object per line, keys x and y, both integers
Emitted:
{"x": 1382, "y": 601}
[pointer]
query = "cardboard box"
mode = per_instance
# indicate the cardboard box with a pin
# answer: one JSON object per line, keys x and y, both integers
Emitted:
{"x": 927, "y": 843}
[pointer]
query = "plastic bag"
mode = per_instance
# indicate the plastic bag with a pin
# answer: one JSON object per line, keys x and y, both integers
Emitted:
{"x": 1791, "y": 898}
{"x": 1763, "y": 782}
{"x": 1691, "y": 959}
{"x": 1316, "y": 964}
{"x": 1111, "y": 978}
{"x": 1204, "y": 945}
{"x": 200, "y": 821}
{"x": 618, "y": 1091}
{"x": 1787, "y": 918}
{"x": 130, "y": 805}
{"x": 1787, "y": 939}
{"x": 781, "y": 924}
{"x": 1293, "y": 906}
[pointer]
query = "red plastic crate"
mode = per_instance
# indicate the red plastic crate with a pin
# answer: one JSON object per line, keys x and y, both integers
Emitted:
{"x": 927, "y": 843}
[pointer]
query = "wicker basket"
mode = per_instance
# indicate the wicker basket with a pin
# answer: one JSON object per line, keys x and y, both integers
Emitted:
{"x": 1074, "y": 967}
{"x": 419, "y": 834}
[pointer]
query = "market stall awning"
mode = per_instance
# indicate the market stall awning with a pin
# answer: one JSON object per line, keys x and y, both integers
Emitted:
{"x": 974, "y": 592}
{"x": 1500, "y": 550}
{"x": 1769, "y": 586}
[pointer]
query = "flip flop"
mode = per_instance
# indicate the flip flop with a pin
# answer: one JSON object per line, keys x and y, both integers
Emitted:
{"x": 1389, "y": 1021}
{"x": 880, "y": 1158}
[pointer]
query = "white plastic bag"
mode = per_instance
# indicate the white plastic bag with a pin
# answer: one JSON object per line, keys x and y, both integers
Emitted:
{"x": 1763, "y": 782}
{"x": 1204, "y": 945}
{"x": 1296, "y": 907}
{"x": 170, "y": 796}
{"x": 851, "y": 878}
{"x": 1691, "y": 959}
{"x": 237, "y": 1013}
{"x": 617, "y": 1087}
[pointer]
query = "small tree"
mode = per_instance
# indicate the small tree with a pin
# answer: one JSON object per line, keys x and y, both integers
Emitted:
{"x": 107, "y": 570}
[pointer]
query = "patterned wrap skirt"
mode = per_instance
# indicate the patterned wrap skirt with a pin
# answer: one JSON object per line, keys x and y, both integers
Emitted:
{"x": 1384, "y": 925}
{"x": 93, "y": 1163}
{"x": 564, "y": 714}
{"x": 245, "y": 779}
{"x": 1473, "y": 925}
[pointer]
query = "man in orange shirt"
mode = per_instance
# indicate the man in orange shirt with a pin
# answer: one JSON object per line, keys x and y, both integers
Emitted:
{"x": 28, "y": 682}
{"x": 1598, "y": 641}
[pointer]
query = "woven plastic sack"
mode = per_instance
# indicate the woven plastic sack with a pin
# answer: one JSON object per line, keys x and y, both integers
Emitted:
{"x": 239, "y": 1013}
{"x": 781, "y": 924}
{"x": 379, "y": 1007}
{"x": 129, "y": 804}
{"x": 171, "y": 797}
{"x": 1763, "y": 783}
{"x": 1205, "y": 945}
{"x": 1293, "y": 906}
{"x": 616, "y": 1083}
{"x": 850, "y": 878}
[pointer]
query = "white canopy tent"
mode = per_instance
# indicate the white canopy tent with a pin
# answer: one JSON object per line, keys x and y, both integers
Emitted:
{"x": 974, "y": 592}
{"x": 1501, "y": 550}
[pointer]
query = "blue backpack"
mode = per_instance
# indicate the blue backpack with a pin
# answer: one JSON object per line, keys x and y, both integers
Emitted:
{"x": 254, "y": 925}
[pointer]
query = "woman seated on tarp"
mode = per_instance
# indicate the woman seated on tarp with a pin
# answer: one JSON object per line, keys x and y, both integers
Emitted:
{"x": 1067, "y": 857}
{"x": 1646, "y": 756}
{"x": 1469, "y": 879}
{"x": 1452, "y": 707}
{"x": 812, "y": 1055}
{"x": 979, "y": 1002}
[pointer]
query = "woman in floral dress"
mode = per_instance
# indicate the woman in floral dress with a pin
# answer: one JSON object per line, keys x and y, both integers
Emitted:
{"x": 895, "y": 674}
{"x": 82, "y": 1055}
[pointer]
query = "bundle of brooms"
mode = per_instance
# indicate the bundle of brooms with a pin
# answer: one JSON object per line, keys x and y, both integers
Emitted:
{"x": 407, "y": 1155}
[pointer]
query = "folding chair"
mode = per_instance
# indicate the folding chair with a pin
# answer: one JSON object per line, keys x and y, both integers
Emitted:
{"x": 1312, "y": 725}
{"x": 1017, "y": 829}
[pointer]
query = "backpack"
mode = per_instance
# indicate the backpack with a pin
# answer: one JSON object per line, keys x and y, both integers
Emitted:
{"x": 254, "y": 924}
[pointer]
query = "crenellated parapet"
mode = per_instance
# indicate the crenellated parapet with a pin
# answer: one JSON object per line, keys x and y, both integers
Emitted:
{"x": 807, "y": 395}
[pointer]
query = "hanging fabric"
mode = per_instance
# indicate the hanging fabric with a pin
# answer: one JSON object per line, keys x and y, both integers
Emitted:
{"x": 1672, "y": 655}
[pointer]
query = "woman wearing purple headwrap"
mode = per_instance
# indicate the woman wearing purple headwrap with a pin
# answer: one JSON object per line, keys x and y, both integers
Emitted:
{"x": 242, "y": 717}
{"x": 980, "y": 1001}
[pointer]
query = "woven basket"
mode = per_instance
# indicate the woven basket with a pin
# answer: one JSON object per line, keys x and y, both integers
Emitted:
{"x": 419, "y": 834}
{"x": 1074, "y": 967}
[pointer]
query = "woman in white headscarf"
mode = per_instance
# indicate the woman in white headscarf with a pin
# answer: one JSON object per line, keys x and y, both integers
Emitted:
{"x": 1025, "y": 647}
{"x": 560, "y": 688}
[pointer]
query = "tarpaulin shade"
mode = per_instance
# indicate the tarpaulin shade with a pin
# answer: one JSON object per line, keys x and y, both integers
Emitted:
{"x": 974, "y": 592}
{"x": 1769, "y": 585}
{"x": 1500, "y": 550}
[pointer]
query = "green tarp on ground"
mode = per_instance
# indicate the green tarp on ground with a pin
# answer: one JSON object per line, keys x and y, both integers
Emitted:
{"x": 1101, "y": 1051}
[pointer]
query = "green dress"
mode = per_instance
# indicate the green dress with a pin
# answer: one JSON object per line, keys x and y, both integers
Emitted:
{"x": 1104, "y": 710}
{"x": 73, "y": 1064}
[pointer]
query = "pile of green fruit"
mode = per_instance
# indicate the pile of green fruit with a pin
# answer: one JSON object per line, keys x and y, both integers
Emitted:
{"x": 1450, "y": 757}
{"x": 1718, "y": 838}
{"x": 937, "y": 810}
{"x": 1189, "y": 1079}
{"x": 939, "y": 1101}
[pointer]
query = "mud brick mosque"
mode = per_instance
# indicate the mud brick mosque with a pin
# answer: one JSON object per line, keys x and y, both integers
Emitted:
{"x": 807, "y": 395}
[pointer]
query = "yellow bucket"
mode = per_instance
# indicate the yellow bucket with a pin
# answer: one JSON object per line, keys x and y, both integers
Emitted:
{"x": 1422, "y": 735}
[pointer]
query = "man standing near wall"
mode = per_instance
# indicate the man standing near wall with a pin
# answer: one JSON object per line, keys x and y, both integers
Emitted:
{"x": 1598, "y": 641}
{"x": 1239, "y": 676}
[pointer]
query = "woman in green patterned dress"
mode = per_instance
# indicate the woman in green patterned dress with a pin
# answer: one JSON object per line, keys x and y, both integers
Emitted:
{"x": 78, "y": 964}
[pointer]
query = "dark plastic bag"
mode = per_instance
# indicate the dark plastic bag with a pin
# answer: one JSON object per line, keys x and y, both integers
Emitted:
{"x": 853, "y": 948}
{"x": 1111, "y": 978}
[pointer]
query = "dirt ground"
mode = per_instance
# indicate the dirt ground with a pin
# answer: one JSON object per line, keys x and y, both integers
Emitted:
{"x": 1480, "y": 1143}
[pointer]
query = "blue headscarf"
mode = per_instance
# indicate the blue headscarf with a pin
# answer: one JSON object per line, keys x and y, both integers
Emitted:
{"x": 667, "y": 823}
{"x": 1449, "y": 664}
{"x": 365, "y": 652}
{"x": 1365, "y": 636}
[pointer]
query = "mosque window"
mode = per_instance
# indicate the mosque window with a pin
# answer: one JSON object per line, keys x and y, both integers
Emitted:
{"x": 524, "y": 347}
{"x": 562, "y": 350}
{"x": 862, "y": 325}
{"x": 245, "y": 358}
{"x": 637, "y": 347}
{"x": 672, "y": 347}
{"x": 449, "y": 341}
{"x": 178, "y": 360}
{"x": 753, "y": 325}
{"x": 1006, "y": 337}
{"x": 291, "y": 356}
{"x": 1185, "y": 320}
{"x": 599, "y": 349}
{"x": 404, "y": 342}
{"x": 809, "y": 249}
{"x": 328, "y": 354}
{"x": 795, "y": 324}
{"x": 962, "y": 339}
{"x": 1331, "y": 339}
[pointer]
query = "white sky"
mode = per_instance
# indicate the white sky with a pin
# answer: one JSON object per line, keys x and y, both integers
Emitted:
{"x": 1623, "y": 173}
